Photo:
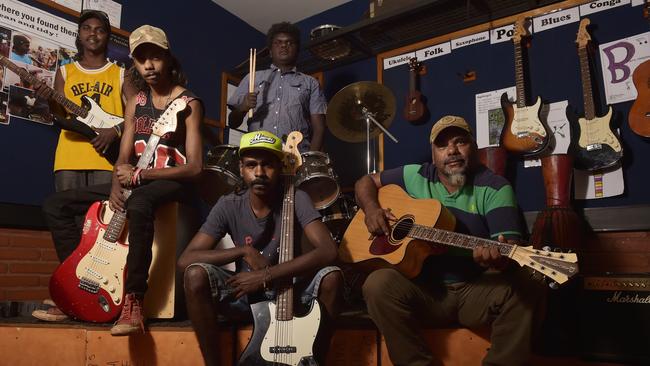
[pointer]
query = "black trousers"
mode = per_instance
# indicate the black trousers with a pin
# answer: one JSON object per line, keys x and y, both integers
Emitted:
{"x": 62, "y": 208}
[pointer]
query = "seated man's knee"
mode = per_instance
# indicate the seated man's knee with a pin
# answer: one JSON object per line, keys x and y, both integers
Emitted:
{"x": 376, "y": 282}
{"x": 195, "y": 280}
{"x": 331, "y": 283}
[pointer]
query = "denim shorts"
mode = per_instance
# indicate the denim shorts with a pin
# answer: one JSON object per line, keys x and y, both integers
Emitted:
{"x": 222, "y": 293}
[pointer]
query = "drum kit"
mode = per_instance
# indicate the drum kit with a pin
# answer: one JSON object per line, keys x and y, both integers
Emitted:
{"x": 357, "y": 113}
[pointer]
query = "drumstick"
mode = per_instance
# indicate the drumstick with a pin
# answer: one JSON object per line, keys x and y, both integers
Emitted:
{"x": 251, "y": 75}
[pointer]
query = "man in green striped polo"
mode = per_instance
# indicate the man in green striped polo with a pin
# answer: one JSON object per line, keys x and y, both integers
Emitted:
{"x": 459, "y": 287}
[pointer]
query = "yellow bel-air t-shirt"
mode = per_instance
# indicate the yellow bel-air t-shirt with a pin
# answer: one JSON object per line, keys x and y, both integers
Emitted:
{"x": 104, "y": 85}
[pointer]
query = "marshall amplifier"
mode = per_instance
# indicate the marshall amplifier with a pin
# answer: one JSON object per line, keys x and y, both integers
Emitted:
{"x": 615, "y": 318}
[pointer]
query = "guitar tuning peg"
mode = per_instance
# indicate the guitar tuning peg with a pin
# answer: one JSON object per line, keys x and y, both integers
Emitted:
{"x": 546, "y": 248}
{"x": 554, "y": 285}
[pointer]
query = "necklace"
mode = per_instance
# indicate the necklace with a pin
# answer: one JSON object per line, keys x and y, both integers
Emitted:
{"x": 152, "y": 107}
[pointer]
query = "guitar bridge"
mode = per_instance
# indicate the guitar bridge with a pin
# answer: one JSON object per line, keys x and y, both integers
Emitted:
{"x": 592, "y": 147}
{"x": 522, "y": 134}
{"x": 90, "y": 286}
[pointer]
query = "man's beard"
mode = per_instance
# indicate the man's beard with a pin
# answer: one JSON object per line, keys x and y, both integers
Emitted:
{"x": 457, "y": 179}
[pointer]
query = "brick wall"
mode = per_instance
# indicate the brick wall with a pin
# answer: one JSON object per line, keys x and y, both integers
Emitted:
{"x": 27, "y": 259}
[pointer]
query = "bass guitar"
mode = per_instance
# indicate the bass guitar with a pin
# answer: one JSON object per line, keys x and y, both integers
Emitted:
{"x": 414, "y": 108}
{"x": 89, "y": 284}
{"x": 639, "y": 117}
{"x": 88, "y": 116}
{"x": 523, "y": 132}
{"x": 278, "y": 337}
{"x": 598, "y": 147}
{"x": 421, "y": 222}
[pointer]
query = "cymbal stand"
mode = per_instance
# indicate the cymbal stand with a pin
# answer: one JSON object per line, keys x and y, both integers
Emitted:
{"x": 369, "y": 116}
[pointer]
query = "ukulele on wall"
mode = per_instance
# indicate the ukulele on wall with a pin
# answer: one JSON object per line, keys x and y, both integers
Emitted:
{"x": 597, "y": 147}
{"x": 414, "y": 108}
{"x": 639, "y": 117}
{"x": 524, "y": 132}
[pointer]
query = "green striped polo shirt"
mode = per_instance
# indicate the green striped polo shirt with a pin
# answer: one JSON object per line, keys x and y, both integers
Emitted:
{"x": 485, "y": 207}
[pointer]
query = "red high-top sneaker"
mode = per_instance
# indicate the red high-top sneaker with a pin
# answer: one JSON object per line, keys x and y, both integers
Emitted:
{"x": 131, "y": 320}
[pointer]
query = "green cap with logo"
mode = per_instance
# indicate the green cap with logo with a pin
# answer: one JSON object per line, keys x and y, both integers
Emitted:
{"x": 261, "y": 140}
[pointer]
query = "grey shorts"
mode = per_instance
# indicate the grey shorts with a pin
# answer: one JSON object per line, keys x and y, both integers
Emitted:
{"x": 222, "y": 293}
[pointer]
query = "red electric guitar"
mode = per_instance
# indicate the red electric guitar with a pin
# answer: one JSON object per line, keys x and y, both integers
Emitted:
{"x": 414, "y": 108}
{"x": 89, "y": 285}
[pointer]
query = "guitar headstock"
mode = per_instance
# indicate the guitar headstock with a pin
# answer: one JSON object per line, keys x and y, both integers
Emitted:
{"x": 414, "y": 64}
{"x": 557, "y": 266}
{"x": 168, "y": 120}
{"x": 292, "y": 158}
{"x": 583, "y": 38}
{"x": 520, "y": 30}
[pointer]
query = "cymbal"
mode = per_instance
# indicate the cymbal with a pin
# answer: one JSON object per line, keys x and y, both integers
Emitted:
{"x": 345, "y": 113}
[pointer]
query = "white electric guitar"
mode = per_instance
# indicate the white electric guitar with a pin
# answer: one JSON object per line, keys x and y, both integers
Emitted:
{"x": 278, "y": 337}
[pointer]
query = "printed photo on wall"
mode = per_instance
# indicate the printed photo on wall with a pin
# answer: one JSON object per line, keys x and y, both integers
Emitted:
{"x": 5, "y": 41}
{"x": 66, "y": 55}
{"x": 33, "y": 51}
{"x": 4, "y": 119}
{"x": 23, "y": 104}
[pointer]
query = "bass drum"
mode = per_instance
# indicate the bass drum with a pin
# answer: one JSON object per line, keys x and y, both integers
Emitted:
{"x": 220, "y": 173}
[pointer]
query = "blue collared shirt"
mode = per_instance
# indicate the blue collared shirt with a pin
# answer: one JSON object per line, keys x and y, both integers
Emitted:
{"x": 285, "y": 102}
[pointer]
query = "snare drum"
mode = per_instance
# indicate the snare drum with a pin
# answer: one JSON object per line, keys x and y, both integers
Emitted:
{"x": 337, "y": 217}
{"x": 220, "y": 173}
{"x": 316, "y": 177}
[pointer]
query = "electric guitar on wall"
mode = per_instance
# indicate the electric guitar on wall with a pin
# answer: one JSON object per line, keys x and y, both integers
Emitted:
{"x": 278, "y": 337}
{"x": 639, "y": 117}
{"x": 414, "y": 108}
{"x": 597, "y": 147}
{"x": 524, "y": 132}
{"x": 89, "y": 284}
{"x": 88, "y": 116}
{"x": 421, "y": 222}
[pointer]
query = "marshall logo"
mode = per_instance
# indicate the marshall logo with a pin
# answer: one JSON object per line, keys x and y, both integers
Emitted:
{"x": 259, "y": 138}
{"x": 618, "y": 297}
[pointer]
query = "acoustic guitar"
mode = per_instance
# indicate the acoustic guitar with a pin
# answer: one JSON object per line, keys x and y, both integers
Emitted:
{"x": 421, "y": 222}
{"x": 597, "y": 147}
{"x": 524, "y": 133}
{"x": 89, "y": 284}
{"x": 639, "y": 117}
{"x": 414, "y": 108}
{"x": 88, "y": 116}
{"x": 280, "y": 338}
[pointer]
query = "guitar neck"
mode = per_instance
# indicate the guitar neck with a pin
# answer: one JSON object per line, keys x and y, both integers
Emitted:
{"x": 284, "y": 300}
{"x": 587, "y": 93}
{"x": 116, "y": 225}
{"x": 453, "y": 239}
{"x": 412, "y": 80}
{"x": 519, "y": 76}
{"x": 71, "y": 106}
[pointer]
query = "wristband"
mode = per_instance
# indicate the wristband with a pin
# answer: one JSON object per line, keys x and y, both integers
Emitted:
{"x": 267, "y": 278}
{"x": 119, "y": 132}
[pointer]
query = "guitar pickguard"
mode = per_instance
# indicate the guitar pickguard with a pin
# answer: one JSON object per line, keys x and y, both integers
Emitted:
{"x": 281, "y": 342}
{"x": 103, "y": 267}
{"x": 96, "y": 117}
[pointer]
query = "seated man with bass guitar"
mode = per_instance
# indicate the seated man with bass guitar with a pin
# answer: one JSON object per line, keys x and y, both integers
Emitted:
{"x": 260, "y": 221}
{"x": 454, "y": 286}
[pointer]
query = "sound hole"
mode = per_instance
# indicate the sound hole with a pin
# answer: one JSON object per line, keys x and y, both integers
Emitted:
{"x": 402, "y": 228}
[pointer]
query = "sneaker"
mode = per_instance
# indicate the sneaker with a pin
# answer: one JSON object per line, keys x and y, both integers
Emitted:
{"x": 131, "y": 320}
{"x": 52, "y": 314}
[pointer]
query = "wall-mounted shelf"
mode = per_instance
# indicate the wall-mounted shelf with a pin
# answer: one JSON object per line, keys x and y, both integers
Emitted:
{"x": 409, "y": 24}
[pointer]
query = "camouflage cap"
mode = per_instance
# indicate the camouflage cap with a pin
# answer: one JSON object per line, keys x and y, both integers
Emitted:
{"x": 148, "y": 34}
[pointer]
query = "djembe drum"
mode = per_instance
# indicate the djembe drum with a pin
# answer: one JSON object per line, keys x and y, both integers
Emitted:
{"x": 557, "y": 225}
